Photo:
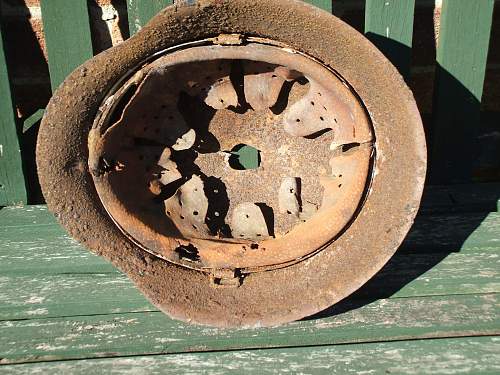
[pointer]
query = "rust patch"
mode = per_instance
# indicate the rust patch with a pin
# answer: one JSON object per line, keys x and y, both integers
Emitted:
{"x": 175, "y": 138}
{"x": 281, "y": 294}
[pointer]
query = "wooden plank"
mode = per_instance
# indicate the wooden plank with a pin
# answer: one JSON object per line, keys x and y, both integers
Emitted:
{"x": 485, "y": 198}
{"x": 12, "y": 182}
{"x": 28, "y": 215}
{"x": 42, "y": 255}
{"x": 389, "y": 25}
{"x": 472, "y": 355}
{"x": 454, "y": 232}
{"x": 141, "y": 11}
{"x": 45, "y": 249}
{"x": 33, "y": 119}
{"x": 153, "y": 333}
{"x": 427, "y": 274}
{"x": 68, "y": 293}
{"x": 323, "y": 4}
{"x": 48, "y": 249}
{"x": 67, "y": 36}
{"x": 461, "y": 63}
{"x": 476, "y": 197}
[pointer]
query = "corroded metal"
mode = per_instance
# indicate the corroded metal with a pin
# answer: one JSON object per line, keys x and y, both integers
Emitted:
{"x": 168, "y": 268}
{"x": 171, "y": 131}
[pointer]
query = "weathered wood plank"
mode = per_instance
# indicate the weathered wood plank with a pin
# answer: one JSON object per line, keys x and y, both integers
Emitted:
{"x": 69, "y": 294}
{"x": 477, "y": 197}
{"x": 45, "y": 249}
{"x": 421, "y": 274}
{"x": 48, "y": 249}
{"x": 461, "y": 56}
{"x": 141, "y": 11}
{"x": 472, "y": 355}
{"x": 389, "y": 25}
{"x": 153, "y": 333}
{"x": 41, "y": 295}
{"x": 67, "y": 36}
{"x": 27, "y": 215}
{"x": 323, "y": 4}
{"x": 12, "y": 183}
{"x": 454, "y": 232}
{"x": 33, "y": 119}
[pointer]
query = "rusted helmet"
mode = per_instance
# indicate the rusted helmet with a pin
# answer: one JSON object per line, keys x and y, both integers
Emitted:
{"x": 244, "y": 163}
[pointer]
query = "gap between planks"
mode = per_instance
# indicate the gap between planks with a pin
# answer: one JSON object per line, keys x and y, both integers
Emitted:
{"x": 126, "y": 334}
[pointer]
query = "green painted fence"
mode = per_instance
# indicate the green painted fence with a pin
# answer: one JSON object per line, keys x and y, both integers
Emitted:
{"x": 141, "y": 11}
{"x": 461, "y": 64}
{"x": 389, "y": 25}
{"x": 67, "y": 36}
{"x": 12, "y": 185}
{"x": 461, "y": 60}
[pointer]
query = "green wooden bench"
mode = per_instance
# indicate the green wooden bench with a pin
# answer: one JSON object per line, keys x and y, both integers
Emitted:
{"x": 434, "y": 308}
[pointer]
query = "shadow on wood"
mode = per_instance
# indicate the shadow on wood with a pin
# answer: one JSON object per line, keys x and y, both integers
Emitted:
{"x": 453, "y": 139}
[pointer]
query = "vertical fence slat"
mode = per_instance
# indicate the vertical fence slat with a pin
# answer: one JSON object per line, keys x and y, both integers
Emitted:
{"x": 12, "y": 182}
{"x": 141, "y": 11}
{"x": 389, "y": 25}
{"x": 67, "y": 36}
{"x": 461, "y": 64}
{"x": 323, "y": 4}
